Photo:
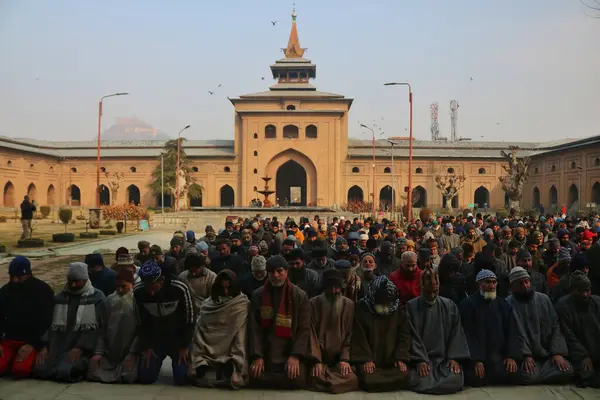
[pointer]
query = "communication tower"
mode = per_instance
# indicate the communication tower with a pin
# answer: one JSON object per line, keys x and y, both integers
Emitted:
{"x": 453, "y": 120}
{"x": 435, "y": 125}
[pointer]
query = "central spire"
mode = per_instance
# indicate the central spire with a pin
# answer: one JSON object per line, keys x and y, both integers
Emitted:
{"x": 293, "y": 49}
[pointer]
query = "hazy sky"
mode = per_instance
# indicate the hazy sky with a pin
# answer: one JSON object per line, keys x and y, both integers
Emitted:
{"x": 534, "y": 63}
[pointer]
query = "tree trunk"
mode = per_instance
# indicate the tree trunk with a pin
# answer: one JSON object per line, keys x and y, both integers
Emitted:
{"x": 516, "y": 204}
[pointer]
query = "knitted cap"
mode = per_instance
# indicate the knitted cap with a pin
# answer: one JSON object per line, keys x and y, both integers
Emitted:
{"x": 517, "y": 273}
{"x": 277, "y": 262}
{"x": 259, "y": 263}
{"x": 332, "y": 277}
{"x": 125, "y": 259}
{"x": 485, "y": 274}
{"x": 19, "y": 266}
{"x": 150, "y": 270}
{"x": 430, "y": 280}
{"x": 564, "y": 254}
{"x": 523, "y": 254}
{"x": 341, "y": 265}
{"x": 77, "y": 271}
{"x": 201, "y": 246}
{"x": 142, "y": 244}
{"x": 579, "y": 281}
{"x": 155, "y": 250}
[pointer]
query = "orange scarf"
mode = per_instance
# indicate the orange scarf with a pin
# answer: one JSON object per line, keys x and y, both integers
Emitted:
{"x": 283, "y": 320}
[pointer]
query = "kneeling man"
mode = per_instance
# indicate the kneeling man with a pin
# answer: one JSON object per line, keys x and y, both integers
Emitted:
{"x": 218, "y": 355}
{"x": 381, "y": 339}
{"x": 331, "y": 330}
{"x": 279, "y": 330}
{"x": 115, "y": 359}
{"x": 440, "y": 343}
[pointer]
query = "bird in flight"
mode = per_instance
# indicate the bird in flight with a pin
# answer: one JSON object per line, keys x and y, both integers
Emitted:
{"x": 219, "y": 85}
{"x": 262, "y": 78}
{"x": 211, "y": 93}
{"x": 274, "y": 22}
{"x": 471, "y": 78}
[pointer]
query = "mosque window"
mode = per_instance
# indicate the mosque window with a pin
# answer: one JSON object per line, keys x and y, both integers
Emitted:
{"x": 133, "y": 169}
{"x": 573, "y": 165}
{"x": 255, "y": 171}
{"x": 419, "y": 170}
{"x": 291, "y": 107}
{"x": 450, "y": 170}
{"x": 9, "y": 163}
{"x": 387, "y": 170}
{"x": 553, "y": 169}
{"x": 270, "y": 132}
{"x": 195, "y": 169}
{"x": 290, "y": 132}
{"x": 226, "y": 169}
{"x": 355, "y": 170}
{"x": 311, "y": 132}
{"x": 255, "y": 153}
{"x": 597, "y": 162}
{"x": 482, "y": 170}
{"x": 102, "y": 169}
{"x": 73, "y": 169}
{"x": 256, "y": 136}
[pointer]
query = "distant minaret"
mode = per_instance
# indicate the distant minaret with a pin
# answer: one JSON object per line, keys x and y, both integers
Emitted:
{"x": 453, "y": 120}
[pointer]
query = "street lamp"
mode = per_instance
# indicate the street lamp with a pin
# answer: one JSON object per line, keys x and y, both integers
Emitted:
{"x": 178, "y": 167}
{"x": 392, "y": 143}
{"x": 98, "y": 157}
{"x": 410, "y": 146}
{"x": 162, "y": 183}
{"x": 373, "y": 170}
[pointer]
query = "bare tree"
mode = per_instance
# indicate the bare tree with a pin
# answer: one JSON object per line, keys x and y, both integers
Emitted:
{"x": 518, "y": 173}
{"x": 449, "y": 186}
{"x": 114, "y": 183}
{"x": 591, "y": 8}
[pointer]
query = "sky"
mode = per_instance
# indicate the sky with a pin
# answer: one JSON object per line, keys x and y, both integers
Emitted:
{"x": 520, "y": 70}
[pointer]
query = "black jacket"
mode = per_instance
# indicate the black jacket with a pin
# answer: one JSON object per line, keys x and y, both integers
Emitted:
{"x": 166, "y": 320}
{"x": 27, "y": 209}
{"x": 232, "y": 262}
{"x": 26, "y": 311}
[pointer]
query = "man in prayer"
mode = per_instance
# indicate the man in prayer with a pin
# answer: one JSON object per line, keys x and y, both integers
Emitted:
{"x": 77, "y": 322}
{"x": 279, "y": 330}
{"x": 449, "y": 239}
{"x": 26, "y": 305}
{"x": 115, "y": 359}
{"x": 439, "y": 344}
{"x": 144, "y": 252}
{"x": 352, "y": 287}
{"x": 491, "y": 329}
{"x": 537, "y": 279}
{"x": 102, "y": 278}
{"x": 165, "y": 321}
{"x": 408, "y": 277}
{"x": 320, "y": 262}
{"x": 256, "y": 277}
{"x": 387, "y": 262}
{"x": 167, "y": 264}
{"x": 198, "y": 278}
{"x": 218, "y": 354}
{"x": 225, "y": 259}
{"x": 306, "y": 279}
{"x": 544, "y": 346}
{"x": 381, "y": 339}
{"x": 331, "y": 331}
{"x": 579, "y": 317}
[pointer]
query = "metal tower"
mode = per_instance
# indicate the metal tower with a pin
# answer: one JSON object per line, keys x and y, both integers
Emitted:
{"x": 435, "y": 125}
{"x": 453, "y": 120}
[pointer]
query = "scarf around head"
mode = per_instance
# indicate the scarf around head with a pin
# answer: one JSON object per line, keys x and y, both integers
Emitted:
{"x": 381, "y": 284}
{"x": 283, "y": 319}
{"x": 85, "y": 319}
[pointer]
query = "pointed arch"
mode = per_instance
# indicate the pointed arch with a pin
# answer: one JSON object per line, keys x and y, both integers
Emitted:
{"x": 419, "y": 197}
{"x": 227, "y": 196}
{"x": 536, "y": 197}
{"x": 386, "y": 195}
{"x": 481, "y": 197}
{"x": 195, "y": 201}
{"x": 596, "y": 194}
{"x": 32, "y": 191}
{"x": 74, "y": 195}
{"x": 305, "y": 162}
{"x": 553, "y": 196}
{"x": 9, "y": 195}
{"x": 104, "y": 195}
{"x": 573, "y": 197}
{"x": 133, "y": 195}
{"x": 51, "y": 195}
{"x": 355, "y": 194}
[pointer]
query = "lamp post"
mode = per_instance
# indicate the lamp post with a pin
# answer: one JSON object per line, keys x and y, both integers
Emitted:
{"x": 162, "y": 183}
{"x": 178, "y": 167}
{"x": 98, "y": 156}
{"x": 410, "y": 146}
{"x": 373, "y": 169}
{"x": 392, "y": 143}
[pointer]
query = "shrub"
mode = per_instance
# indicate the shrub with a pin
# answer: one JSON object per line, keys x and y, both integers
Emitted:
{"x": 65, "y": 215}
{"x": 107, "y": 232}
{"x": 45, "y": 211}
{"x": 30, "y": 242}
{"x": 88, "y": 235}
{"x": 2, "y": 248}
{"x": 63, "y": 237}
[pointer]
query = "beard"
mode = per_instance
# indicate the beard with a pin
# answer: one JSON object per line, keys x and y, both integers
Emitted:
{"x": 430, "y": 300}
{"x": 488, "y": 295}
{"x": 333, "y": 307}
{"x": 122, "y": 302}
{"x": 259, "y": 278}
{"x": 277, "y": 283}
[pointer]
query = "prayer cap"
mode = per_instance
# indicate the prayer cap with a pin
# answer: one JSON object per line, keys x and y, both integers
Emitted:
{"x": 408, "y": 256}
{"x": 587, "y": 235}
{"x": 190, "y": 235}
{"x": 125, "y": 275}
{"x": 448, "y": 226}
{"x": 19, "y": 266}
{"x": 263, "y": 245}
{"x": 319, "y": 251}
{"x": 457, "y": 250}
{"x": 341, "y": 264}
{"x": 424, "y": 254}
{"x": 579, "y": 262}
{"x": 277, "y": 262}
{"x": 150, "y": 270}
{"x": 485, "y": 274}
{"x": 363, "y": 236}
{"x": 201, "y": 246}
{"x": 517, "y": 273}
{"x": 430, "y": 280}
{"x": 354, "y": 236}
{"x": 178, "y": 234}
{"x": 155, "y": 250}
{"x": 253, "y": 247}
{"x": 176, "y": 241}
{"x": 259, "y": 263}
{"x": 401, "y": 241}
{"x": 332, "y": 277}
{"x": 523, "y": 254}
{"x": 77, "y": 271}
{"x": 125, "y": 259}
{"x": 142, "y": 244}
{"x": 579, "y": 281}
{"x": 410, "y": 243}
{"x": 367, "y": 254}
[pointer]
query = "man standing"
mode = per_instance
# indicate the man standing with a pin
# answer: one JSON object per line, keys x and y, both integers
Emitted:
{"x": 78, "y": 320}
{"x": 167, "y": 264}
{"x": 381, "y": 339}
{"x": 440, "y": 343}
{"x": 579, "y": 316}
{"x": 538, "y": 281}
{"x": 27, "y": 210}
{"x": 102, "y": 278}
{"x": 320, "y": 263}
{"x": 198, "y": 278}
{"x": 408, "y": 277}
{"x": 491, "y": 330}
{"x": 226, "y": 260}
{"x": 352, "y": 287}
{"x": 26, "y": 305}
{"x": 387, "y": 262}
{"x": 306, "y": 279}
{"x": 115, "y": 358}
{"x": 331, "y": 331}
{"x": 219, "y": 341}
{"x": 449, "y": 240}
{"x": 279, "y": 330}
{"x": 256, "y": 277}
{"x": 144, "y": 252}
{"x": 165, "y": 323}
{"x": 544, "y": 346}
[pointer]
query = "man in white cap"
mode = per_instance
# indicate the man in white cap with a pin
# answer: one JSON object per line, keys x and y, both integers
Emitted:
{"x": 491, "y": 329}
{"x": 252, "y": 281}
{"x": 544, "y": 346}
{"x": 79, "y": 316}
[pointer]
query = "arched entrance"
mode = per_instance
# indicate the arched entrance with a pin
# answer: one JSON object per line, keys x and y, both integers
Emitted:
{"x": 596, "y": 194}
{"x": 51, "y": 195}
{"x": 419, "y": 197}
{"x": 104, "y": 196}
{"x": 536, "y": 197}
{"x": 168, "y": 200}
{"x": 227, "y": 196}
{"x": 385, "y": 198}
{"x": 553, "y": 196}
{"x": 133, "y": 195}
{"x": 74, "y": 195}
{"x": 355, "y": 194}
{"x": 573, "y": 198}
{"x": 290, "y": 184}
{"x": 481, "y": 197}
{"x": 32, "y": 191}
{"x": 195, "y": 201}
{"x": 9, "y": 195}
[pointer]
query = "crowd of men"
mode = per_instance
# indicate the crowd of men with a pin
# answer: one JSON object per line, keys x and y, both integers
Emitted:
{"x": 326, "y": 305}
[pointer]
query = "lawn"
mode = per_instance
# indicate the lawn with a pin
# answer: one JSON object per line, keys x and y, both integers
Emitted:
{"x": 52, "y": 270}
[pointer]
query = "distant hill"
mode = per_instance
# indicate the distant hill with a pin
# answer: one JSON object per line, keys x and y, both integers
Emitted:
{"x": 133, "y": 129}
